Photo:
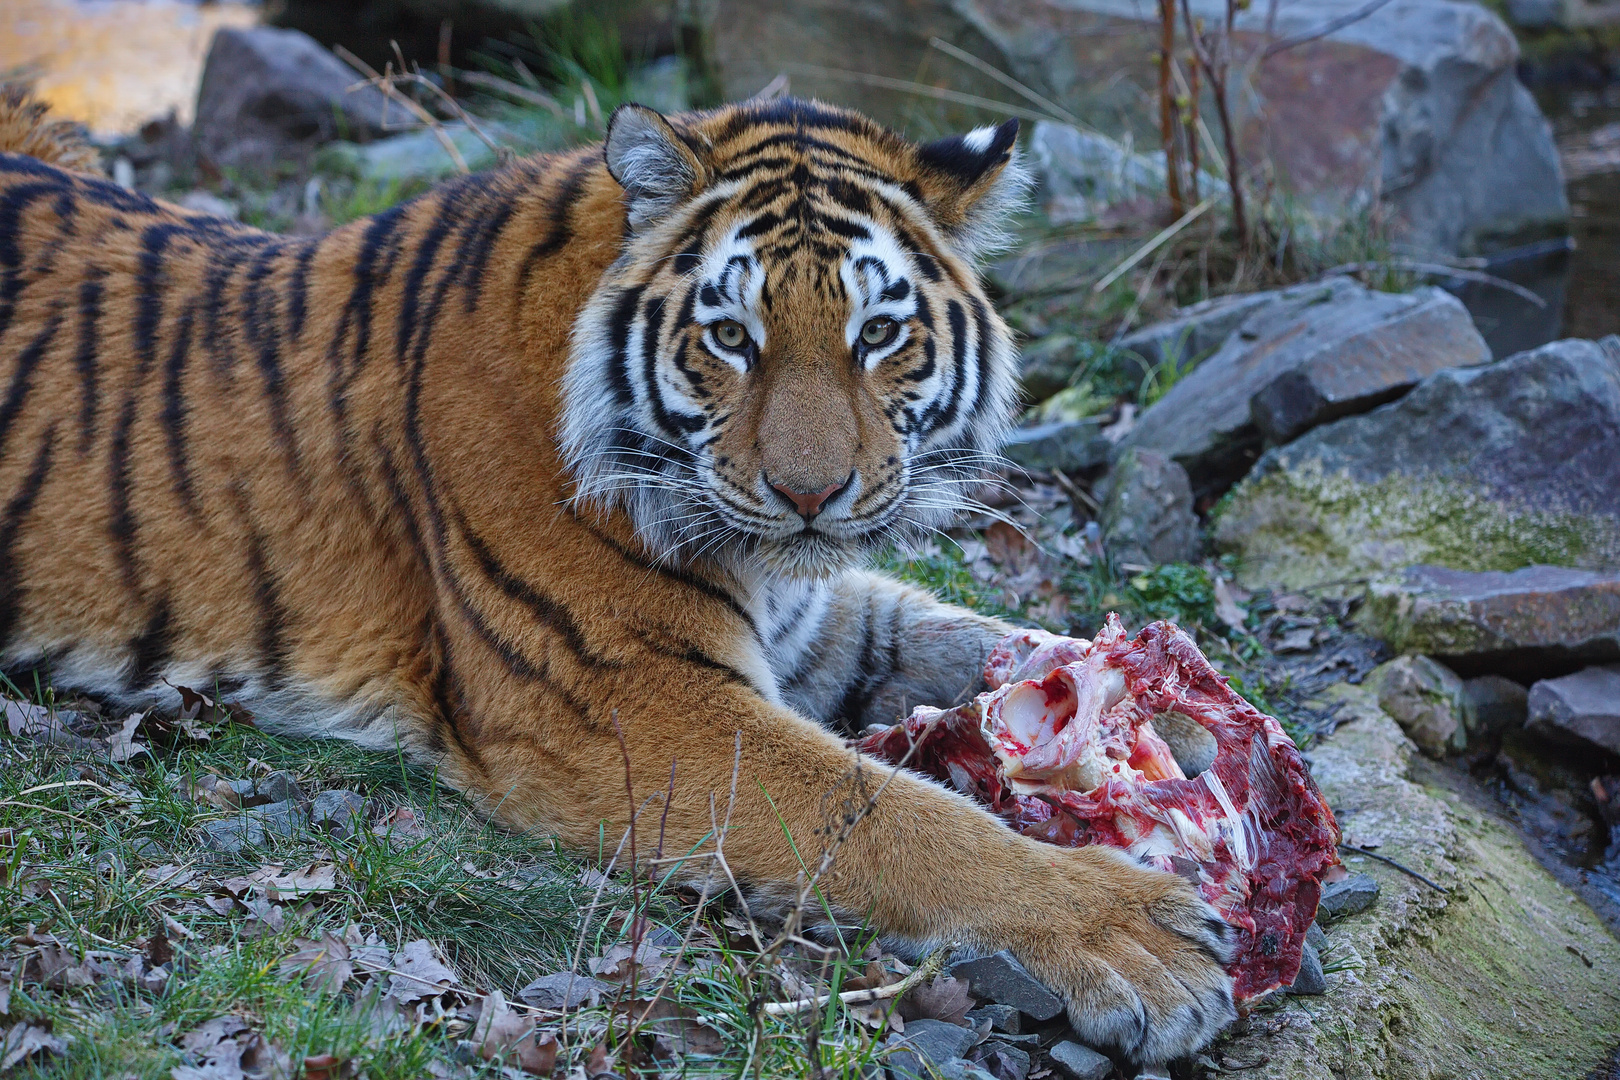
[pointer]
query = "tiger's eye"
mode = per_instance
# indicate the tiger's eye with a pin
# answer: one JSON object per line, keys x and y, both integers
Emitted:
{"x": 879, "y": 331}
{"x": 730, "y": 334}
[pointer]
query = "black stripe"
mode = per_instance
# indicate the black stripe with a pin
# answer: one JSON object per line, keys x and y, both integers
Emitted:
{"x": 17, "y": 508}
{"x": 151, "y": 649}
{"x": 981, "y": 331}
{"x": 476, "y": 252}
{"x": 559, "y": 233}
{"x": 679, "y": 576}
{"x": 173, "y": 414}
{"x": 619, "y": 323}
{"x": 22, "y": 379}
{"x": 121, "y": 518}
{"x": 264, "y": 335}
{"x": 85, "y": 359}
{"x": 936, "y": 415}
{"x": 13, "y": 204}
{"x": 547, "y": 612}
{"x": 858, "y": 693}
{"x": 149, "y": 305}
{"x": 271, "y": 635}
{"x": 427, "y": 253}
{"x": 298, "y": 289}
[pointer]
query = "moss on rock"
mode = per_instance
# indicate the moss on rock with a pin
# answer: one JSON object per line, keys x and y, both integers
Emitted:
{"x": 1305, "y": 527}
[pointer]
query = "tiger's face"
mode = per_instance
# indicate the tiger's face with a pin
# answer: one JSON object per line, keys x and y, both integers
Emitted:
{"x": 792, "y": 362}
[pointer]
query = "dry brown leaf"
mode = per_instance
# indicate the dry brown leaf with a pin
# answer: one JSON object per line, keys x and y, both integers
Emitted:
{"x": 324, "y": 963}
{"x": 23, "y": 1041}
{"x": 676, "y": 1028}
{"x": 215, "y": 791}
{"x": 401, "y": 822}
{"x": 264, "y": 918}
{"x": 943, "y": 999}
{"x": 418, "y": 974}
{"x": 327, "y": 1067}
{"x": 169, "y": 874}
{"x": 311, "y": 880}
{"x": 121, "y": 744}
{"x": 506, "y": 1034}
{"x": 1227, "y": 607}
{"x": 226, "y": 1048}
{"x": 25, "y": 720}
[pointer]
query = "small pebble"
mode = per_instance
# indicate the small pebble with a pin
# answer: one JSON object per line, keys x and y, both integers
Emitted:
{"x": 1080, "y": 1062}
{"x": 1351, "y": 896}
{"x": 1310, "y": 980}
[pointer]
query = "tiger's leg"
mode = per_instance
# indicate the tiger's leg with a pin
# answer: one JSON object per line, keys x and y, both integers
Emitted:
{"x": 1135, "y": 953}
{"x": 865, "y": 649}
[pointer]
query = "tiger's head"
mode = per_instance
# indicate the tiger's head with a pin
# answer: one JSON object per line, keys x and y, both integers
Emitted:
{"x": 792, "y": 361}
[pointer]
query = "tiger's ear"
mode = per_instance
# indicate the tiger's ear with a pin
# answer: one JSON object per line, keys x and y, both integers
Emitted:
{"x": 657, "y": 168}
{"x": 973, "y": 183}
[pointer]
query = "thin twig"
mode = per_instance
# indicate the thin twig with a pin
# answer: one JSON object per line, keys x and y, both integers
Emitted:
{"x": 772, "y": 90}
{"x": 1439, "y": 270}
{"x": 1058, "y": 112}
{"x": 924, "y": 972}
{"x": 1147, "y": 249}
{"x": 385, "y": 83}
{"x": 514, "y": 91}
{"x": 920, "y": 89}
{"x": 1402, "y": 867}
{"x": 1330, "y": 27}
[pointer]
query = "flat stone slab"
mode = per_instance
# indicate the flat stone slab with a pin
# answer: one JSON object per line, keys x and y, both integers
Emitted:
{"x": 255, "y": 827}
{"x": 1001, "y": 979}
{"x": 926, "y": 1046}
{"x": 1584, "y": 706}
{"x": 1315, "y": 353}
{"x": 1147, "y": 510}
{"x": 1528, "y": 619}
{"x": 1496, "y": 467}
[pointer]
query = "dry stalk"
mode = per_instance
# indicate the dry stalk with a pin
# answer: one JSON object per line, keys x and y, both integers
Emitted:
{"x": 390, "y": 92}
{"x": 1147, "y": 249}
{"x": 924, "y": 972}
{"x": 516, "y": 92}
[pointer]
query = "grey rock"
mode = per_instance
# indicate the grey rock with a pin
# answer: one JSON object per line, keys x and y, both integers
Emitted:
{"x": 1195, "y": 332}
{"x": 335, "y": 811}
{"x": 1079, "y": 1062}
{"x": 1048, "y": 365}
{"x": 279, "y": 786}
{"x": 1427, "y": 700}
{"x": 1313, "y": 354}
{"x": 1147, "y": 510}
{"x": 563, "y": 991}
{"x": 254, "y": 827}
{"x": 1003, "y": 1060}
{"x": 1584, "y": 707}
{"x": 1494, "y": 704}
{"x": 1352, "y": 896}
{"x": 1066, "y": 446}
{"x": 1316, "y": 937}
{"x": 963, "y": 1069}
{"x": 1487, "y": 468}
{"x": 1083, "y": 174}
{"x": 1521, "y": 621}
{"x": 1003, "y": 1018}
{"x": 1310, "y": 980}
{"x": 1003, "y": 980}
{"x": 268, "y": 95}
{"x": 927, "y": 1045}
{"x": 1417, "y": 105}
{"x": 1538, "y": 14}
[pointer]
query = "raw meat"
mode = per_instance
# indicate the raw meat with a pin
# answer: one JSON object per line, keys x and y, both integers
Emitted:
{"x": 1064, "y": 747}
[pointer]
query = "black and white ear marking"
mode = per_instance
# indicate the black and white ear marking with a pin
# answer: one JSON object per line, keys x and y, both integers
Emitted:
{"x": 974, "y": 182}
{"x": 968, "y": 157}
{"x": 651, "y": 161}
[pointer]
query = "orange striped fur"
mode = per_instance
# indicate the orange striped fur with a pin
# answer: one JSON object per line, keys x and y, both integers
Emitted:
{"x": 486, "y": 472}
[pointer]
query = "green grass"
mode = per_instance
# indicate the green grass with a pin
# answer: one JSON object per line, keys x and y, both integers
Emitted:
{"x": 79, "y": 833}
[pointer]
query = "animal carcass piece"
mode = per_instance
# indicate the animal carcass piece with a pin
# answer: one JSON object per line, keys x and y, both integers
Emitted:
{"x": 1064, "y": 747}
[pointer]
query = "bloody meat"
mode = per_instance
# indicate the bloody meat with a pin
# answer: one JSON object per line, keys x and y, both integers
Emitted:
{"x": 1063, "y": 746}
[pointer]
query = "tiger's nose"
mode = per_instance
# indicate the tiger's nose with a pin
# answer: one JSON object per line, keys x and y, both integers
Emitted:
{"x": 809, "y": 503}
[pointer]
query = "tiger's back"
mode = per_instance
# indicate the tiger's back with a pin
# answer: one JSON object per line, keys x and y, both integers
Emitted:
{"x": 585, "y": 449}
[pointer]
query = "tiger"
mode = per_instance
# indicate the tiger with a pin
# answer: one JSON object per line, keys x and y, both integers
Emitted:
{"x": 566, "y": 472}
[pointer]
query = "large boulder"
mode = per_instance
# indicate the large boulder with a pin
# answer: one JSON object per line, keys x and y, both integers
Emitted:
{"x": 1414, "y": 102}
{"x": 1527, "y": 622}
{"x": 1305, "y": 356}
{"x": 269, "y": 96}
{"x": 1505, "y": 974}
{"x": 1496, "y": 467}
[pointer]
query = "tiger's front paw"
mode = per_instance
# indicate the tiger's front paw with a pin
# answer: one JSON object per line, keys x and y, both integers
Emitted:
{"x": 1137, "y": 955}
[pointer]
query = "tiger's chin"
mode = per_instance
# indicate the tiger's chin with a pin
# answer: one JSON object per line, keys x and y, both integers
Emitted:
{"x": 808, "y": 555}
